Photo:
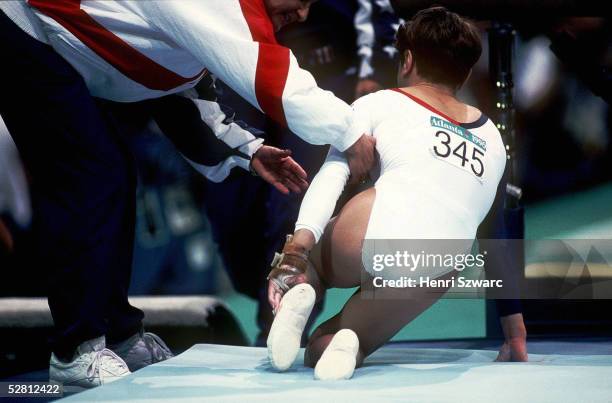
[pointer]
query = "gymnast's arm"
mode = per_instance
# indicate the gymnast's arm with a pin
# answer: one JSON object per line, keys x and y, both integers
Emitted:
{"x": 289, "y": 267}
{"x": 500, "y": 264}
{"x": 214, "y": 144}
{"x": 499, "y": 259}
{"x": 320, "y": 200}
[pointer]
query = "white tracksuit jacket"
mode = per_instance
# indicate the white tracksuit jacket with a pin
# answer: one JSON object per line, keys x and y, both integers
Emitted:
{"x": 132, "y": 50}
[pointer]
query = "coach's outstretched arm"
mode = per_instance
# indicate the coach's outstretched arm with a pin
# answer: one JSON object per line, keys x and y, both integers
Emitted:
{"x": 235, "y": 40}
{"x": 213, "y": 146}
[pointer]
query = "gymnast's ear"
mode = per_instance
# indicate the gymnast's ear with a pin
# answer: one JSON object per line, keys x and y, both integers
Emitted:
{"x": 406, "y": 65}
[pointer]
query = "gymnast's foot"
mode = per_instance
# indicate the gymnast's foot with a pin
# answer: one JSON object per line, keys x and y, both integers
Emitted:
{"x": 339, "y": 359}
{"x": 289, "y": 322}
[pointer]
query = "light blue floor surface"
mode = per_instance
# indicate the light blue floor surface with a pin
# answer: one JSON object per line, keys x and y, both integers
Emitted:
{"x": 395, "y": 373}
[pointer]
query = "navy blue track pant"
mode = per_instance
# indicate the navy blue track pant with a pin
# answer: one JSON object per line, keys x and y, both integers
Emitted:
{"x": 83, "y": 190}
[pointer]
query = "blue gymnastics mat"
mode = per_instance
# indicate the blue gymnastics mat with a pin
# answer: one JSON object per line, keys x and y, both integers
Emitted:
{"x": 219, "y": 373}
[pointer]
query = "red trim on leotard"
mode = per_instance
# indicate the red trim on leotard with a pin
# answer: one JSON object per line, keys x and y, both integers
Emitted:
{"x": 272, "y": 61}
{"x": 426, "y": 105}
{"x": 110, "y": 47}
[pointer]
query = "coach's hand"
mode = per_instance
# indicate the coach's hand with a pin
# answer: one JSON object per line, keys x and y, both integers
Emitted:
{"x": 361, "y": 158}
{"x": 276, "y": 167}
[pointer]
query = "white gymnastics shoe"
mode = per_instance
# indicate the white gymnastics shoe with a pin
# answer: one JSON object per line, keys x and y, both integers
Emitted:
{"x": 289, "y": 322}
{"x": 339, "y": 359}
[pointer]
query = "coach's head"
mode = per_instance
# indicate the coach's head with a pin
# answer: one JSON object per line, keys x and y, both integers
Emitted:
{"x": 437, "y": 46}
{"x": 285, "y": 12}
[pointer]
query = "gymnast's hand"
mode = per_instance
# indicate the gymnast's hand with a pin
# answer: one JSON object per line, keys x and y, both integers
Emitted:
{"x": 515, "y": 346}
{"x": 289, "y": 268}
{"x": 361, "y": 158}
{"x": 276, "y": 167}
{"x": 275, "y": 293}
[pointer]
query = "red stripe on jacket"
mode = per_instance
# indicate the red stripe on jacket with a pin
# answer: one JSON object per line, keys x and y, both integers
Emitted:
{"x": 272, "y": 62}
{"x": 110, "y": 47}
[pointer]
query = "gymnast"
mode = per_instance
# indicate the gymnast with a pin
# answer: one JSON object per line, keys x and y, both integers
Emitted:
{"x": 438, "y": 179}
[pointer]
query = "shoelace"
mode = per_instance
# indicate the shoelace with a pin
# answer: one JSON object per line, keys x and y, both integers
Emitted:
{"x": 94, "y": 368}
{"x": 156, "y": 347}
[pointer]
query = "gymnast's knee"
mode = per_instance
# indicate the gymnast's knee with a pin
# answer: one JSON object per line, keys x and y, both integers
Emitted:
{"x": 316, "y": 345}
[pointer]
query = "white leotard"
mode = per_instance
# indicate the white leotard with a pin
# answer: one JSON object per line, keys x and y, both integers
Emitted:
{"x": 438, "y": 178}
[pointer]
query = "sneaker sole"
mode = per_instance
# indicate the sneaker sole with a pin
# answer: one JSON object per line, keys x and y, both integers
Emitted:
{"x": 70, "y": 388}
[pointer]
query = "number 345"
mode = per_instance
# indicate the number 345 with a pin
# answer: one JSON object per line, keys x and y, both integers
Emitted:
{"x": 461, "y": 152}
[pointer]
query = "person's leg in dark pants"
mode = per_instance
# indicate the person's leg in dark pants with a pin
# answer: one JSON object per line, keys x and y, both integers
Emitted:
{"x": 236, "y": 209}
{"x": 82, "y": 187}
{"x": 124, "y": 320}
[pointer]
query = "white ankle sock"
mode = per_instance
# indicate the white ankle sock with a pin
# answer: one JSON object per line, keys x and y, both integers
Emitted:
{"x": 289, "y": 322}
{"x": 339, "y": 359}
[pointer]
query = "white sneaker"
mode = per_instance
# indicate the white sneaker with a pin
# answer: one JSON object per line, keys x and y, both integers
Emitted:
{"x": 142, "y": 349}
{"x": 289, "y": 322}
{"x": 339, "y": 359}
{"x": 92, "y": 365}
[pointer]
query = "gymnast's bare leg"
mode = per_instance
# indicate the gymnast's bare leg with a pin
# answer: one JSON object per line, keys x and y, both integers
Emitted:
{"x": 336, "y": 262}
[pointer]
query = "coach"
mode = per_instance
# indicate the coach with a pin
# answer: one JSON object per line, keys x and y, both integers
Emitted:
{"x": 57, "y": 56}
